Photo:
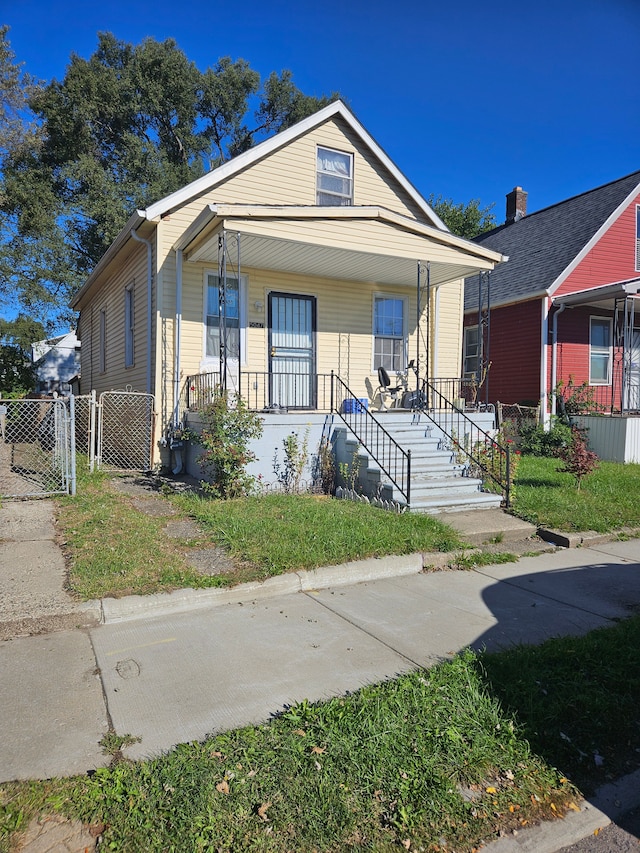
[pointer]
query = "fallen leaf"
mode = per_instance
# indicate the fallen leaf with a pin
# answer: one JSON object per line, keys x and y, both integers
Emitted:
{"x": 318, "y": 765}
{"x": 406, "y": 843}
{"x": 318, "y": 750}
{"x": 262, "y": 811}
{"x": 300, "y": 732}
{"x": 553, "y": 806}
{"x": 491, "y": 790}
{"x": 574, "y": 807}
{"x": 223, "y": 787}
{"x": 216, "y": 755}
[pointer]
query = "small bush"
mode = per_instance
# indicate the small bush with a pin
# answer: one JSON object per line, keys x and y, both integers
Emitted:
{"x": 534, "y": 440}
{"x": 578, "y": 459}
{"x": 228, "y": 431}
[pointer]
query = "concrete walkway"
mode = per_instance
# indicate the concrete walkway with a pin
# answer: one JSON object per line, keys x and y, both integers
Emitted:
{"x": 189, "y": 666}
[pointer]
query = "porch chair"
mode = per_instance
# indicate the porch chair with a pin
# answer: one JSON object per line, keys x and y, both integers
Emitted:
{"x": 385, "y": 390}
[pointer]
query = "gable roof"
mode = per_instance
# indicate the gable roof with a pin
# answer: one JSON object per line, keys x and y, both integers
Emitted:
{"x": 262, "y": 149}
{"x": 542, "y": 245}
{"x": 206, "y": 182}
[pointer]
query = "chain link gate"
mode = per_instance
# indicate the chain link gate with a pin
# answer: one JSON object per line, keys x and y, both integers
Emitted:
{"x": 125, "y": 430}
{"x": 37, "y": 448}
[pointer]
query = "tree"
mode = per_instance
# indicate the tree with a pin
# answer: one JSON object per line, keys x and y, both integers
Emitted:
{"x": 124, "y": 128}
{"x": 17, "y": 372}
{"x": 466, "y": 220}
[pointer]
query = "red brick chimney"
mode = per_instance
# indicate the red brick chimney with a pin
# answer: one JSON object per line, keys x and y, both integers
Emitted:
{"x": 516, "y": 205}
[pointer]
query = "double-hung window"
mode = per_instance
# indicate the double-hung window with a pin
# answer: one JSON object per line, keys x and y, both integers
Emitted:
{"x": 334, "y": 177}
{"x": 471, "y": 352}
{"x": 389, "y": 345}
{"x": 600, "y": 351}
{"x": 222, "y": 317}
{"x": 128, "y": 326}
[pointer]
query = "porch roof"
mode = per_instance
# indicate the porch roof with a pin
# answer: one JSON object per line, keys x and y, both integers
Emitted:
{"x": 353, "y": 243}
{"x": 603, "y": 296}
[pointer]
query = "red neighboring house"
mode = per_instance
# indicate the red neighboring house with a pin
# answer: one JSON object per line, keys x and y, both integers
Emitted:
{"x": 564, "y": 305}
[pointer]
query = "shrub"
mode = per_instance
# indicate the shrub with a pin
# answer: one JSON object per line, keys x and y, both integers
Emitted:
{"x": 229, "y": 427}
{"x": 289, "y": 473}
{"x": 576, "y": 399}
{"x": 578, "y": 459}
{"x": 534, "y": 440}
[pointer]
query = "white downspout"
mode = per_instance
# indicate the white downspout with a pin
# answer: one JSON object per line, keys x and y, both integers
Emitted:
{"x": 149, "y": 301}
{"x": 554, "y": 359}
{"x": 543, "y": 362}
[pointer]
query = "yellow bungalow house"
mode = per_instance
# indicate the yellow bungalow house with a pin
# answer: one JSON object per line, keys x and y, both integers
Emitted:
{"x": 309, "y": 254}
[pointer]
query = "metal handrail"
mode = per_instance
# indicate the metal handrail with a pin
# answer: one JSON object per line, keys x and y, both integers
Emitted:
{"x": 465, "y": 438}
{"x": 393, "y": 459}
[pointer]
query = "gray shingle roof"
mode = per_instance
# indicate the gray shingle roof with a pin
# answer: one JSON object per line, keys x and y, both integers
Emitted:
{"x": 542, "y": 244}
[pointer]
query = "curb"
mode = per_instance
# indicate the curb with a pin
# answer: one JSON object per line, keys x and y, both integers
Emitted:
{"x": 585, "y": 538}
{"x": 608, "y": 804}
{"x": 111, "y": 610}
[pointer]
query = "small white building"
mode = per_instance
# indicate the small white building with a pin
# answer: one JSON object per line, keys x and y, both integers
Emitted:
{"x": 57, "y": 362}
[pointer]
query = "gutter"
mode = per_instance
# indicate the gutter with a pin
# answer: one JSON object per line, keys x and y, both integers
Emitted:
{"x": 554, "y": 358}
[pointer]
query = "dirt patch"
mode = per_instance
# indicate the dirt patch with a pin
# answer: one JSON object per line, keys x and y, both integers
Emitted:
{"x": 210, "y": 561}
{"x": 53, "y": 832}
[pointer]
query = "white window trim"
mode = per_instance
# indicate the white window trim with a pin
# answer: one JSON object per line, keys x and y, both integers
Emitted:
{"x": 637, "y": 237}
{"x": 129, "y": 326}
{"x": 102, "y": 347}
{"x": 351, "y": 175}
{"x": 600, "y": 350}
{"x": 405, "y": 317}
{"x": 210, "y": 363}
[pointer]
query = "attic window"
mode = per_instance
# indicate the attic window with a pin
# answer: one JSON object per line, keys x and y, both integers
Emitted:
{"x": 334, "y": 180}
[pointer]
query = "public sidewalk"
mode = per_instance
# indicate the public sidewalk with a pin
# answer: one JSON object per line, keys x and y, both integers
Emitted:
{"x": 176, "y": 668}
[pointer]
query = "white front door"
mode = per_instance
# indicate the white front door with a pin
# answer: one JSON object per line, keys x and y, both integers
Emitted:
{"x": 632, "y": 379}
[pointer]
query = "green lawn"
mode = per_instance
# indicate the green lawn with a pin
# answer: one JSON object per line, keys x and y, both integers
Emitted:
{"x": 606, "y": 501}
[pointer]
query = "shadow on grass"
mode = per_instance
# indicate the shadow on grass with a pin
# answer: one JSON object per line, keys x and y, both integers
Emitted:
{"x": 575, "y": 696}
{"x": 539, "y": 482}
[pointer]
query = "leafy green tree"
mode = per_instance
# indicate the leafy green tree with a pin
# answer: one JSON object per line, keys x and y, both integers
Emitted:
{"x": 123, "y": 128}
{"x": 466, "y": 220}
{"x": 17, "y": 372}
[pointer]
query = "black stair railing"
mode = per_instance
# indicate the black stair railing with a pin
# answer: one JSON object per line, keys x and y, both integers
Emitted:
{"x": 484, "y": 457}
{"x": 392, "y": 459}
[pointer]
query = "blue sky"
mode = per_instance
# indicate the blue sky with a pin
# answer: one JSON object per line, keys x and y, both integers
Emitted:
{"x": 468, "y": 99}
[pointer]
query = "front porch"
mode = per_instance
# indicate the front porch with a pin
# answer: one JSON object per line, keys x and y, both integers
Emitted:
{"x": 428, "y": 458}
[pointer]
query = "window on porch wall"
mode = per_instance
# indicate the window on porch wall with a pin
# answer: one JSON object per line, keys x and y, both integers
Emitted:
{"x": 600, "y": 336}
{"x": 232, "y": 317}
{"x": 389, "y": 348}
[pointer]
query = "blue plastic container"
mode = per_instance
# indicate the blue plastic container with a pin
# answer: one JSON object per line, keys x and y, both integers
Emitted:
{"x": 351, "y": 406}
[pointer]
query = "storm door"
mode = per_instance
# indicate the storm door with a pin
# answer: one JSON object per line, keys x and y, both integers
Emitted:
{"x": 292, "y": 357}
{"x": 632, "y": 401}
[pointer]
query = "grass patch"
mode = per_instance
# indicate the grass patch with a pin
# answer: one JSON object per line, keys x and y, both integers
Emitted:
{"x": 281, "y": 533}
{"x": 114, "y": 549}
{"x": 425, "y": 761}
{"x": 607, "y": 500}
{"x": 577, "y": 699}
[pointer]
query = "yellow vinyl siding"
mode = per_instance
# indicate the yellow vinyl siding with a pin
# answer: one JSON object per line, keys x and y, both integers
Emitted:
{"x": 288, "y": 176}
{"x": 449, "y": 349}
{"x": 344, "y": 340}
{"x": 111, "y": 300}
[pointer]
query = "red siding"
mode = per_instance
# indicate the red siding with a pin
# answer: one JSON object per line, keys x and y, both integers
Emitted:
{"x": 573, "y": 351}
{"x": 612, "y": 259}
{"x": 514, "y": 353}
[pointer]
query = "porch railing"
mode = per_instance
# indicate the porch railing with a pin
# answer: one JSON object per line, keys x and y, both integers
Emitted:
{"x": 486, "y": 458}
{"x": 393, "y": 459}
{"x": 264, "y": 392}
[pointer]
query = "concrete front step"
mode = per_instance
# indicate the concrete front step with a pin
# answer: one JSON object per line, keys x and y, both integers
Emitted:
{"x": 488, "y": 525}
{"x": 447, "y": 504}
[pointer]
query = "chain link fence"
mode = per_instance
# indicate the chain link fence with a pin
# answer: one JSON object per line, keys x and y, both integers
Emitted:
{"x": 35, "y": 448}
{"x": 125, "y": 430}
{"x": 512, "y": 417}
